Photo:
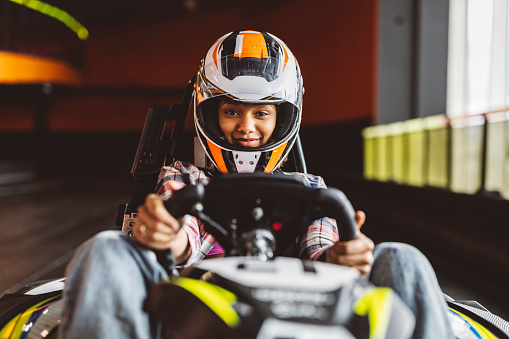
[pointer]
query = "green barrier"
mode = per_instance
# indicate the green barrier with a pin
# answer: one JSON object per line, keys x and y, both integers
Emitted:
{"x": 466, "y": 154}
{"x": 497, "y": 157}
{"x": 414, "y": 141}
{"x": 437, "y": 161}
{"x": 369, "y": 153}
{"x": 396, "y": 146}
{"x": 375, "y": 153}
{"x": 413, "y": 152}
{"x": 437, "y": 152}
{"x": 381, "y": 149}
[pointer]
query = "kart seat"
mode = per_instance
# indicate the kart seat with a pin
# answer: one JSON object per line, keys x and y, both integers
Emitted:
{"x": 160, "y": 139}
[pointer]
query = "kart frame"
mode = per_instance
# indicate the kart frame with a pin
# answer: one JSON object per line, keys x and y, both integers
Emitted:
{"x": 158, "y": 147}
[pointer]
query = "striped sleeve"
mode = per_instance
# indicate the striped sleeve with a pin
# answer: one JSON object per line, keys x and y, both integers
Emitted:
{"x": 319, "y": 236}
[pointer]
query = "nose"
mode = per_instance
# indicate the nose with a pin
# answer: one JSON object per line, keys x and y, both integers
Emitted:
{"x": 246, "y": 124}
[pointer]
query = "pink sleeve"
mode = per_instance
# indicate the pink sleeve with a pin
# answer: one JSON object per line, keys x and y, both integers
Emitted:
{"x": 192, "y": 229}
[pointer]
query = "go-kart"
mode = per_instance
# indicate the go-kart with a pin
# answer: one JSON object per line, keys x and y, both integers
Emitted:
{"x": 256, "y": 291}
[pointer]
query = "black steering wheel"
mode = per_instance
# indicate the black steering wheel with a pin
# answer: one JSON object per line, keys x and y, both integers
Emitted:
{"x": 246, "y": 210}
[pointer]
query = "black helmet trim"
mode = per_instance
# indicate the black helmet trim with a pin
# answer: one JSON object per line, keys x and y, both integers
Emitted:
{"x": 287, "y": 122}
{"x": 268, "y": 161}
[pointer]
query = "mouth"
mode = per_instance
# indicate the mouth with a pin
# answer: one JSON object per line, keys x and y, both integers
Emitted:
{"x": 246, "y": 142}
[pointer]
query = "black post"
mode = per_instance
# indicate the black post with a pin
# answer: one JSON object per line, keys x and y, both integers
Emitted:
{"x": 300, "y": 161}
{"x": 41, "y": 128}
{"x": 7, "y": 26}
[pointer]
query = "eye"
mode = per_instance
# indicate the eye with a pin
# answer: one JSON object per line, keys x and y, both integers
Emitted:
{"x": 231, "y": 112}
{"x": 262, "y": 113}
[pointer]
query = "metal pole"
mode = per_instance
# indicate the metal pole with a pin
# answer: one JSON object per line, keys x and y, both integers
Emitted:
{"x": 7, "y": 27}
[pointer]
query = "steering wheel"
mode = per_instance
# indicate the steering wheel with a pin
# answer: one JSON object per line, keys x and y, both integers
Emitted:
{"x": 249, "y": 214}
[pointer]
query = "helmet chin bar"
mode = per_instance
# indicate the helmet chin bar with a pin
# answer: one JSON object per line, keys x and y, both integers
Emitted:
{"x": 246, "y": 161}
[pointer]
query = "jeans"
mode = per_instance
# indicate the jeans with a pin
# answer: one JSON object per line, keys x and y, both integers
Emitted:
{"x": 109, "y": 276}
{"x": 407, "y": 271}
{"x": 107, "y": 283}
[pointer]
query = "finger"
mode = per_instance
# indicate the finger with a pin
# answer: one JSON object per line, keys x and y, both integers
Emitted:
{"x": 361, "y": 244}
{"x": 147, "y": 236}
{"x": 140, "y": 233}
{"x": 364, "y": 270}
{"x": 360, "y": 217}
{"x": 153, "y": 222}
{"x": 361, "y": 263}
{"x": 155, "y": 208}
{"x": 175, "y": 185}
{"x": 151, "y": 238}
{"x": 158, "y": 244}
{"x": 158, "y": 240}
{"x": 355, "y": 260}
{"x": 367, "y": 241}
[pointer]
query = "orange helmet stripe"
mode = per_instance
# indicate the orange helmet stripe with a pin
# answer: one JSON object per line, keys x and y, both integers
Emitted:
{"x": 274, "y": 157}
{"x": 214, "y": 54}
{"x": 286, "y": 55}
{"x": 251, "y": 44}
{"x": 218, "y": 156}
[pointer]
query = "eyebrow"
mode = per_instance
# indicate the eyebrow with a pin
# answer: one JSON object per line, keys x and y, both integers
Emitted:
{"x": 254, "y": 105}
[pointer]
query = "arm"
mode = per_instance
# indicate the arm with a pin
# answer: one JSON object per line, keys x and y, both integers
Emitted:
{"x": 322, "y": 241}
{"x": 163, "y": 231}
{"x": 357, "y": 253}
{"x": 156, "y": 228}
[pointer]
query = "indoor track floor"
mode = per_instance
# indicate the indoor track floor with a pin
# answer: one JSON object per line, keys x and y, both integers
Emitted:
{"x": 43, "y": 223}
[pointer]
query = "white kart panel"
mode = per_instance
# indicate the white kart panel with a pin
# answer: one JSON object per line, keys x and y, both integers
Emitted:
{"x": 52, "y": 286}
{"x": 284, "y": 273}
{"x": 274, "y": 328}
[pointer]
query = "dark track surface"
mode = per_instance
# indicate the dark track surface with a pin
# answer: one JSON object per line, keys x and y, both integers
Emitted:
{"x": 43, "y": 223}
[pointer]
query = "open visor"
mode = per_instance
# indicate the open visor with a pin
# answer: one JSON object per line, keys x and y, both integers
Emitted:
{"x": 206, "y": 120}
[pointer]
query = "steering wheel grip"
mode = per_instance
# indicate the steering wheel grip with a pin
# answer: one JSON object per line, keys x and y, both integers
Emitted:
{"x": 183, "y": 200}
{"x": 333, "y": 203}
{"x": 329, "y": 202}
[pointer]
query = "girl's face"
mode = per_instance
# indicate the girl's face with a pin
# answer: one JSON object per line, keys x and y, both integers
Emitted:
{"x": 246, "y": 124}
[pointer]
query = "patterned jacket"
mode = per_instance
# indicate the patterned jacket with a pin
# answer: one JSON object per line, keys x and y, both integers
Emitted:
{"x": 320, "y": 235}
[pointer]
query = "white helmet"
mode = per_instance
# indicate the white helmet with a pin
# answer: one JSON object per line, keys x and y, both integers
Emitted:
{"x": 250, "y": 67}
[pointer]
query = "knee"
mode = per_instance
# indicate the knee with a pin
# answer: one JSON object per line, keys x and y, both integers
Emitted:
{"x": 394, "y": 256}
{"x": 104, "y": 245}
{"x": 107, "y": 239}
{"x": 397, "y": 251}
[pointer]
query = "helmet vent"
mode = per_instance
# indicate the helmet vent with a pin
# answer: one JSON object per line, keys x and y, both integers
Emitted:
{"x": 245, "y": 162}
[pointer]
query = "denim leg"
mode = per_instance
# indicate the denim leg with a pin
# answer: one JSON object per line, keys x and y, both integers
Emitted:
{"x": 408, "y": 272}
{"x": 107, "y": 283}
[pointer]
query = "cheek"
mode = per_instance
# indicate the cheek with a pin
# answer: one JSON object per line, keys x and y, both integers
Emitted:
{"x": 226, "y": 127}
{"x": 267, "y": 129}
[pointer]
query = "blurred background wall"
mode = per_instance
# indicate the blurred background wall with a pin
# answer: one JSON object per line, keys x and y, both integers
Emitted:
{"x": 139, "y": 55}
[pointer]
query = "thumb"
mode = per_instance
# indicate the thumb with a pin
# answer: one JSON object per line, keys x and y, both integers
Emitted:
{"x": 176, "y": 185}
{"x": 360, "y": 217}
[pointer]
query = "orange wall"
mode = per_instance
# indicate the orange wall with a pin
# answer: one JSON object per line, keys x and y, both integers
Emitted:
{"x": 334, "y": 43}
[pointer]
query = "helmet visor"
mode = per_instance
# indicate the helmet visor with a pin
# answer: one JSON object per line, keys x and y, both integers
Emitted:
{"x": 250, "y": 80}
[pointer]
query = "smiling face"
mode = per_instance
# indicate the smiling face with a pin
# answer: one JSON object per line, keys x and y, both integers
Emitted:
{"x": 246, "y": 124}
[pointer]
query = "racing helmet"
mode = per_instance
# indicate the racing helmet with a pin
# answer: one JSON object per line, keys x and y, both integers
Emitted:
{"x": 248, "y": 67}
